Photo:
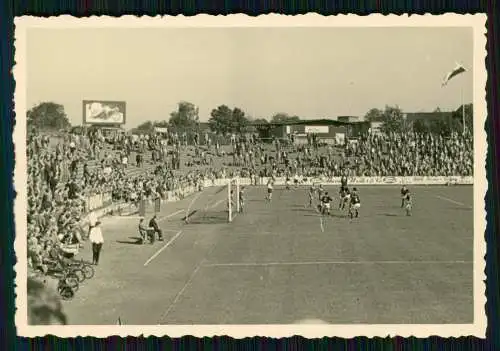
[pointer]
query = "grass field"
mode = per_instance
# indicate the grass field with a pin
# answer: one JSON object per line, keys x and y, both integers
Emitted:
{"x": 281, "y": 263}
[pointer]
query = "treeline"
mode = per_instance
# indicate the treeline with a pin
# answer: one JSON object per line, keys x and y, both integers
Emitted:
{"x": 227, "y": 120}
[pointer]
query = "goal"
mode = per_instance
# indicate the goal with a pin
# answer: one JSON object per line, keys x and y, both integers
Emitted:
{"x": 233, "y": 198}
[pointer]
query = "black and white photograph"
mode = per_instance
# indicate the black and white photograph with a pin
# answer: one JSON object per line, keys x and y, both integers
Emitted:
{"x": 243, "y": 176}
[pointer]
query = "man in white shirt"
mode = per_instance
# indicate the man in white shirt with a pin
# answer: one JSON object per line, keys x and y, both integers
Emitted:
{"x": 97, "y": 240}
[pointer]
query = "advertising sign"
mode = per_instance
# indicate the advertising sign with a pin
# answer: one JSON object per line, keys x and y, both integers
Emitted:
{"x": 161, "y": 130}
{"x": 316, "y": 129}
{"x": 104, "y": 112}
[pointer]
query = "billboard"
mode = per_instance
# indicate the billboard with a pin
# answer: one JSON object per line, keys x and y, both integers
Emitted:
{"x": 317, "y": 129}
{"x": 103, "y": 112}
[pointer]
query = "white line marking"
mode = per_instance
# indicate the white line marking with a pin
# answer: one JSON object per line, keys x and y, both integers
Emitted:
{"x": 161, "y": 219}
{"x": 179, "y": 294}
{"x": 192, "y": 202}
{"x": 216, "y": 204}
{"x": 452, "y": 201}
{"x": 264, "y": 264}
{"x": 170, "y": 215}
{"x": 163, "y": 248}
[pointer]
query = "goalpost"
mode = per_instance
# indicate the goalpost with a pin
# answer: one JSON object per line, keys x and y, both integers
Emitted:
{"x": 233, "y": 197}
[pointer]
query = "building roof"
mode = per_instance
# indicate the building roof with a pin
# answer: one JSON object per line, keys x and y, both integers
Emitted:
{"x": 415, "y": 116}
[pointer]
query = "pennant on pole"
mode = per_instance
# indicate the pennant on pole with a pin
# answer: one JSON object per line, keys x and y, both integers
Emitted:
{"x": 456, "y": 71}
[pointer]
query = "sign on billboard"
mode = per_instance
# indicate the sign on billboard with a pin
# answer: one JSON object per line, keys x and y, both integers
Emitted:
{"x": 316, "y": 129}
{"x": 103, "y": 112}
{"x": 161, "y": 130}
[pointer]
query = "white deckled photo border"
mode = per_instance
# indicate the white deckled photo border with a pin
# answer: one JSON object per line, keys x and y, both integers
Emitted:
{"x": 476, "y": 22}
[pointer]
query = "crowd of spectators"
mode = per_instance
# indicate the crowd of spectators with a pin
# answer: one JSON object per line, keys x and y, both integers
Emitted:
{"x": 397, "y": 154}
{"x": 63, "y": 174}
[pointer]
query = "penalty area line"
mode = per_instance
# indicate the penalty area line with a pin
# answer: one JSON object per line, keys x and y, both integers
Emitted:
{"x": 444, "y": 198}
{"x": 170, "y": 215}
{"x": 163, "y": 248}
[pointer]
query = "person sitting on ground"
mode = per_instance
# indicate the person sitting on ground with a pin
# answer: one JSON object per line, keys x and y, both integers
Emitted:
{"x": 143, "y": 230}
{"x": 153, "y": 223}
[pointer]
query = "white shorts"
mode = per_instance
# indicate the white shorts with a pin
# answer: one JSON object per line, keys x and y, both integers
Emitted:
{"x": 356, "y": 206}
{"x": 327, "y": 206}
{"x": 347, "y": 197}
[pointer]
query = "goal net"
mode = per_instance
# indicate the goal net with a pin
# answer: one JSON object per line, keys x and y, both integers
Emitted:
{"x": 216, "y": 205}
{"x": 233, "y": 198}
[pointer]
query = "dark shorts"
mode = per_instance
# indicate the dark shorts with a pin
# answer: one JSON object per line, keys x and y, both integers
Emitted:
{"x": 269, "y": 191}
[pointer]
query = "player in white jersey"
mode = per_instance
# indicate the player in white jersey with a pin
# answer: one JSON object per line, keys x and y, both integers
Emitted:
{"x": 312, "y": 192}
{"x": 296, "y": 180}
{"x": 270, "y": 184}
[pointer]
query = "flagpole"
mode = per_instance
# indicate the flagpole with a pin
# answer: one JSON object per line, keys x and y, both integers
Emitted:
{"x": 463, "y": 111}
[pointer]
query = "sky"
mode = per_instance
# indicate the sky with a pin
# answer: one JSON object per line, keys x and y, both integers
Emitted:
{"x": 310, "y": 72}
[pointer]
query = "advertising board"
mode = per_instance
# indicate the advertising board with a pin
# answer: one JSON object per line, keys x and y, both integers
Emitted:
{"x": 316, "y": 129}
{"x": 100, "y": 112}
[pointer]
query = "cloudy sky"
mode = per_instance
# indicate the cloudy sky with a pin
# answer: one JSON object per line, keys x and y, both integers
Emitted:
{"x": 309, "y": 72}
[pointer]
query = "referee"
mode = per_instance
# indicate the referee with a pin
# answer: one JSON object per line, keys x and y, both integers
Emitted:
{"x": 97, "y": 240}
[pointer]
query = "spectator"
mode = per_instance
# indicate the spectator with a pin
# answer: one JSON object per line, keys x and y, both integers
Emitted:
{"x": 97, "y": 240}
{"x": 153, "y": 223}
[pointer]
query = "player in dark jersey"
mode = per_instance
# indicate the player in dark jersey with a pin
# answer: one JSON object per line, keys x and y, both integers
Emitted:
{"x": 408, "y": 203}
{"x": 354, "y": 204}
{"x": 325, "y": 204}
{"x": 321, "y": 192}
{"x": 404, "y": 192}
{"x": 241, "y": 198}
{"x": 345, "y": 196}
{"x": 343, "y": 182}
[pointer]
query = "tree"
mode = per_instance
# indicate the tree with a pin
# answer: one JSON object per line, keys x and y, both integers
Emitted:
{"x": 282, "y": 117}
{"x": 223, "y": 120}
{"x": 220, "y": 121}
{"x": 161, "y": 124}
{"x": 185, "y": 118}
{"x": 144, "y": 128}
{"x": 374, "y": 115}
{"x": 239, "y": 121}
{"x": 148, "y": 127}
{"x": 47, "y": 115}
{"x": 392, "y": 120}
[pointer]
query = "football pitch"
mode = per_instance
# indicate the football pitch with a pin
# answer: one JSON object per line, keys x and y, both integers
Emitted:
{"x": 283, "y": 263}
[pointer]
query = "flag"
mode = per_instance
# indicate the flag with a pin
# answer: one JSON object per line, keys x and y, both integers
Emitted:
{"x": 456, "y": 71}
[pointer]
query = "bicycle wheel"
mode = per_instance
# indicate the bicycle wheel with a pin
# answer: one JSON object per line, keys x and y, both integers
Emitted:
{"x": 71, "y": 280}
{"x": 88, "y": 270}
{"x": 66, "y": 293}
{"x": 80, "y": 274}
